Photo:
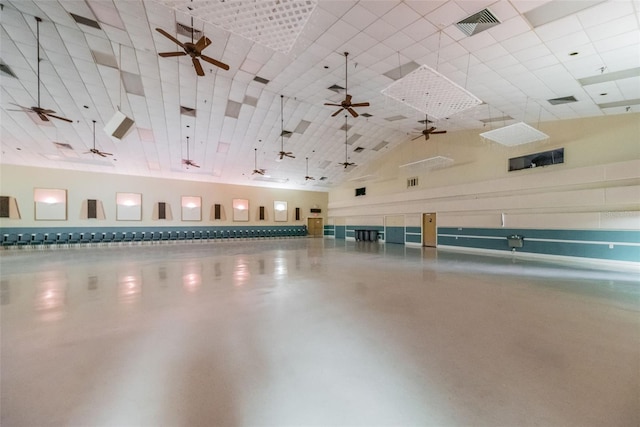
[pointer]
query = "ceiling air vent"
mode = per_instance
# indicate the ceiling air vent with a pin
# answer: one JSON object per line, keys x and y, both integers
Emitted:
{"x": 5, "y": 69}
{"x": 336, "y": 88}
{"x": 63, "y": 145}
{"x": 186, "y": 30}
{"x": 260, "y": 80}
{"x": 186, "y": 111}
{"x": 85, "y": 21}
{"x": 358, "y": 149}
{"x": 366, "y": 115}
{"x": 286, "y": 133}
{"x": 563, "y": 100}
{"x": 478, "y": 22}
{"x": 380, "y": 146}
{"x": 323, "y": 178}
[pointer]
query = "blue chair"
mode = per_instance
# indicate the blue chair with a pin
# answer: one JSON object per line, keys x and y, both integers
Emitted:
{"x": 50, "y": 239}
{"x": 118, "y": 237}
{"x": 188, "y": 235}
{"x": 96, "y": 238}
{"x": 74, "y": 238}
{"x": 197, "y": 235}
{"x": 37, "y": 239}
{"x": 128, "y": 237}
{"x": 9, "y": 239}
{"x": 85, "y": 238}
{"x": 156, "y": 236}
{"x": 63, "y": 239}
{"x": 147, "y": 236}
{"x": 165, "y": 236}
{"x": 107, "y": 237}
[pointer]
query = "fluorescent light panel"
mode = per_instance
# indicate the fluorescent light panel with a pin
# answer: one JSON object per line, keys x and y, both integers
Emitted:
{"x": 430, "y": 92}
{"x": 515, "y": 134}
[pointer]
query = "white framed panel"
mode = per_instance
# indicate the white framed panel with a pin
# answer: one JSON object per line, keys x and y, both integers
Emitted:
{"x": 50, "y": 204}
{"x": 191, "y": 208}
{"x": 280, "y": 211}
{"x": 128, "y": 206}
{"x": 240, "y": 210}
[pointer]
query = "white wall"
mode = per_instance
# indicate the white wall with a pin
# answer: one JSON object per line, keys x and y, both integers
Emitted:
{"x": 598, "y": 186}
{"x": 19, "y": 182}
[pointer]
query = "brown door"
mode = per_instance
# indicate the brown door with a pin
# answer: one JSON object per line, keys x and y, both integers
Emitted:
{"x": 315, "y": 227}
{"x": 429, "y": 231}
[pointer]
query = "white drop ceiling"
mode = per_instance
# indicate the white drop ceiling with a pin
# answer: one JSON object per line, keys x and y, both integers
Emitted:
{"x": 540, "y": 50}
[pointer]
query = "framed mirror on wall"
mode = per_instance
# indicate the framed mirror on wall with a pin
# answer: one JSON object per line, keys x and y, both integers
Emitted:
{"x": 50, "y": 204}
{"x": 191, "y": 208}
{"x": 240, "y": 210}
{"x": 280, "y": 211}
{"x": 128, "y": 206}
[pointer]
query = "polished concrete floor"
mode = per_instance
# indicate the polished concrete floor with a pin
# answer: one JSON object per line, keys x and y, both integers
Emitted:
{"x": 313, "y": 332}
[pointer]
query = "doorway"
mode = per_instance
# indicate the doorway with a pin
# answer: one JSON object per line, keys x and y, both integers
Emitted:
{"x": 429, "y": 230}
{"x": 315, "y": 227}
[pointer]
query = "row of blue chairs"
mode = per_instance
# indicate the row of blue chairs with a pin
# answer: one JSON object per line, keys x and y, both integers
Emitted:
{"x": 123, "y": 237}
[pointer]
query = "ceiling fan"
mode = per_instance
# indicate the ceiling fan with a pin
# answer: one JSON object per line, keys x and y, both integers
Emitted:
{"x": 43, "y": 113}
{"x": 194, "y": 50}
{"x": 256, "y": 170}
{"x": 307, "y": 177}
{"x": 428, "y": 130}
{"x": 283, "y": 153}
{"x": 346, "y": 104}
{"x": 94, "y": 150}
{"x": 188, "y": 162}
{"x": 346, "y": 163}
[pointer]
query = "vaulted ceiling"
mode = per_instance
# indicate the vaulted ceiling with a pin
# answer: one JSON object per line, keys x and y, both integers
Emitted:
{"x": 286, "y": 60}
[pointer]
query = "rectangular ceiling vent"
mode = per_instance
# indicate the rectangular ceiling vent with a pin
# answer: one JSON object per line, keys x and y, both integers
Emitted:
{"x": 358, "y": 150}
{"x": 336, "y": 88}
{"x": 5, "y": 69}
{"x": 563, "y": 100}
{"x": 380, "y": 146}
{"x": 186, "y": 30}
{"x": 395, "y": 118}
{"x": 63, "y": 145}
{"x": 286, "y": 133}
{"x": 260, "y": 80}
{"x": 186, "y": 111}
{"x": 478, "y": 22}
{"x": 366, "y": 115}
{"x": 85, "y": 21}
{"x": 323, "y": 178}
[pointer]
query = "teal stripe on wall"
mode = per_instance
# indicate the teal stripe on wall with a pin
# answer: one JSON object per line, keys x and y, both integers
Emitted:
{"x": 394, "y": 235}
{"x": 413, "y": 238}
{"x": 414, "y": 230}
{"x": 615, "y": 245}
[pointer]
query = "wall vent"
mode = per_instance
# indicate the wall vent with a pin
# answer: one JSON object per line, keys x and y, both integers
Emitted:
{"x": 478, "y": 22}
{"x": 412, "y": 182}
{"x": 563, "y": 100}
{"x": 185, "y": 30}
{"x": 85, "y": 21}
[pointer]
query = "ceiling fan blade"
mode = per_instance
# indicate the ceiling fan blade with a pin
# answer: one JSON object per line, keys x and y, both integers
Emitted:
{"x": 170, "y": 37}
{"x": 198, "y": 66}
{"x": 336, "y": 105}
{"x": 42, "y": 117}
{"x": 214, "y": 62}
{"x": 361, "y": 104}
{"x": 59, "y": 118}
{"x": 431, "y": 129}
{"x": 347, "y": 99}
{"x": 195, "y": 166}
{"x": 337, "y": 112}
{"x": 419, "y": 136}
{"x": 202, "y": 43}
{"x": 438, "y": 131}
{"x": 352, "y": 112}
{"x": 170, "y": 54}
